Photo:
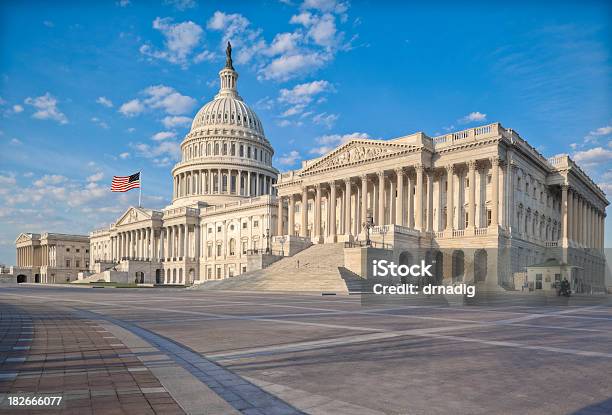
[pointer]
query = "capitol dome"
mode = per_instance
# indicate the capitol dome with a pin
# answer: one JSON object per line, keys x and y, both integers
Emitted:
{"x": 225, "y": 156}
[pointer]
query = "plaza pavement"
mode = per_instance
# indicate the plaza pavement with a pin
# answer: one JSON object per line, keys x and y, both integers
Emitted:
{"x": 165, "y": 351}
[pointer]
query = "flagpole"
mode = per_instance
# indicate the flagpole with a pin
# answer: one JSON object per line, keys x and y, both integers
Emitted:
{"x": 140, "y": 189}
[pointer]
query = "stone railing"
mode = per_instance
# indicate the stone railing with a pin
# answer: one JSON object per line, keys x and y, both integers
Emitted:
{"x": 551, "y": 244}
{"x": 481, "y": 231}
{"x": 458, "y": 233}
{"x": 472, "y": 133}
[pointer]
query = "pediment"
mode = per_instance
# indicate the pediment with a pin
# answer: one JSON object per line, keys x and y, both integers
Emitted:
{"x": 357, "y": 152}
{"x": 133, "y": 215}
{"x": 23, "y": 237}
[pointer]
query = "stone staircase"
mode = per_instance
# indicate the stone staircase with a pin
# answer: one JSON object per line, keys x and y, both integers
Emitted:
{"x": 319, "y": 268}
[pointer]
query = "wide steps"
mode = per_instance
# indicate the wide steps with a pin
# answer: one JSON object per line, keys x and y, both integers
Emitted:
{"x": 321, "y": 268}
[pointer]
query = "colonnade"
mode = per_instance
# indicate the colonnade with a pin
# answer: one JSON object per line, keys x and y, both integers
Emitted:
{"x": 223, "y": 181}
{"x": 582, "y": 222}
{"x": 382, "y": 194}
{"x": 25, "y": 256}
{"x": 171, "y": 242}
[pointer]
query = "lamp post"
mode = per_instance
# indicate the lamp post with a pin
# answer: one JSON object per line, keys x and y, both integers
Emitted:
{"x": 367, "y": 225}
{"x": 267, "y": 240}
{"x": 282, "y": 242}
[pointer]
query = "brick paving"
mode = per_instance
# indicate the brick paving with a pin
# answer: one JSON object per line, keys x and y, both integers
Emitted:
{"x": 45, "y": 351}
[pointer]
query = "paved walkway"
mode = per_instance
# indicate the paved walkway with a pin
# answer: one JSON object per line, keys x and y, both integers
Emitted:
{"x": 46, "y": 352}
{"x": 254, "y": 353}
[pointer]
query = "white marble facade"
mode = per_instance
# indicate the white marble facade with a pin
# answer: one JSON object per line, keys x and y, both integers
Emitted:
{"x": 483, "y": 188}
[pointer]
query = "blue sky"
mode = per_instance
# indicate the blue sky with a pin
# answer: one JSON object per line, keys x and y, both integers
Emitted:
{"x": 92, "y": 90}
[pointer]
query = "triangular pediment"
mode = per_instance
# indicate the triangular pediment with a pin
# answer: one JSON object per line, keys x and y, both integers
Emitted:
{"x": 133, "y": 215}
{"x": 23, "y": 237}
{"x": 357, "y": 152}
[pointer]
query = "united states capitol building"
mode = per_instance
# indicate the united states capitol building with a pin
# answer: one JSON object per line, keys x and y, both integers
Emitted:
{"x": 481, "y": 203}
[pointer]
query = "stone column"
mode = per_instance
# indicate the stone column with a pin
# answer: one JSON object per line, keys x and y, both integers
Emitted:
{"x": 186, "y": 250}
{"x": 304, "y": 213}
{"x": 291, "y": 219}
{"x": 430, "y": 202}
{"x": 364, "y": 197}
{"x": 317, "y": 213}
{"x": 399, "y": 202}
{"x": 570, "y": 216}
{"x": 564, "y": 213}
{"x": 249, "y": 183}
{"x": 472, "y": 195}
{"x": 495, "y": 192}
{"x": 151, "y": 254}
{"x": 449, "y": 197}
{"x": 419, "y": 197}
{"x": 347, "y": 206}
{"x": 332, "y": 211}
{"x": 279, "y": 217}
{"x": 381, "y": 198}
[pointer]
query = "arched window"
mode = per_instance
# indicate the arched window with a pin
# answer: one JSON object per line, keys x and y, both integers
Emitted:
{"x": 232, "y": 246}
{"x": 216, "y": 149}
{"x": 224, "y": 149}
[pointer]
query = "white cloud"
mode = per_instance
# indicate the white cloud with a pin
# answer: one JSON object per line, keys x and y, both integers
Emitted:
{"x": 204, "y": 56}
{"x": 163, "y": 135}
{"x": 329, "y": 142}
{"x": 96, "y": 177}
{"x": 123, "y": 3}
{"x": 131, "y": 108}
{"x": 48, "y": 23}
{"x": 284, "y": 42}
{"x": 105, "y": 102}
{"x": 304, "y": 93}
{"x": 131, "y": 130}
{"x": 602, "y": 131}
{"x": 180, "y": 41}
{"x": 593, "y": 156}
{"x": 290, "y": 158}
{"x": 181, "y": 4}
{"x": 168, "y": 99}
{"x": 159, "y": 97}
{"x": 473, "y": 117}
{"x": 326, "y": 6}
{"x": 99, "y": 122}
{"x": 46, "y": 108}
{"x": 17, "y": 108}
{"x": 162, "y": 154}
{"x": 176, "y": 121}
{"x": 15, "y": 141}
{"x": 7, "y": 180}
{"x": 325, "y": 119}
{"x": 286, "y": 67}
{"x": 124, "y": 155}
{"x": 50, "y": 179}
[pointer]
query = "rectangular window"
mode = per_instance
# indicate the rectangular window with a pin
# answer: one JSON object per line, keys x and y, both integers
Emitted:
{"x": 255, "y": 224}
{"x": 78, "y": 250}
{"x": 78, "y": 263}
{"x": 209, "y": 251}
{"x": 489, "y": 218}
{"x": 67, "y": 263}
{"x": 244, "y": 247}
{"x": 466, "y": 219}
{"x": 244, "y": 225}
{"x": 219, "y": 250}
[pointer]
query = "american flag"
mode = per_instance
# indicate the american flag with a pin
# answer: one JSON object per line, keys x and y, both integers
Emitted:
{"x": 125, "y": 183}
